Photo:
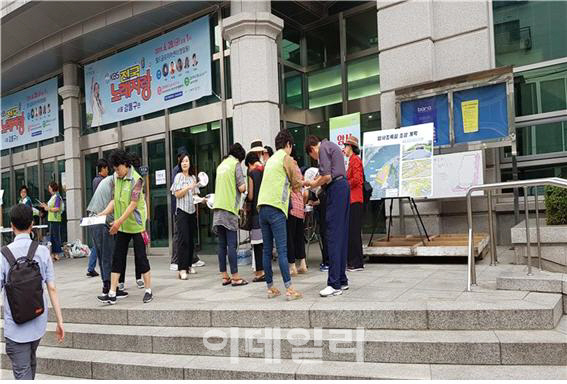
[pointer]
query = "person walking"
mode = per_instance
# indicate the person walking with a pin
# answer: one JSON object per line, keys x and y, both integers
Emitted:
{"x": 229, "y": 185}
{"x": 296, "y": 227}
{"x": 332, "y": 175}
{"x": 355, "y": 178}
{"x": 183, "y": 188}
{"x": 54, "y": 208}
{"x": 273, "y": 203}
{"x": 129, "y": 208}
{"x": 255, "y": 174}
{"x": 22, "y": 340}
{"x": 102, "y": 169}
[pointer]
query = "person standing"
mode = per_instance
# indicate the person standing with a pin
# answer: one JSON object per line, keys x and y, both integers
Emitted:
{"x": 229, "y": 185}
{"x": 54, "y": 208}
{"x": 355, "y": 178}
{"x": 332, "y": 175}
{"x": 129, "y": 207}
{"x": 102, "y": 169}
{"x": 183, "y": 188}
{"x": 255, "y": 174}
{"x": 296, "y": 227}
{"x": 268, "y": 152}
{"x": 273, "y": 202}
{"x": 24, "y": 197}
{"x": 22, "y": 340}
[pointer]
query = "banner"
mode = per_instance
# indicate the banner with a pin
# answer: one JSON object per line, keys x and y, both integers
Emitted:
{"x": 398, "y": 162}
{"x": 434, "y": 109}
{"x": 30, "y": 115}
{"x": 343, "y": 127}
{"x": 170, "y": 70}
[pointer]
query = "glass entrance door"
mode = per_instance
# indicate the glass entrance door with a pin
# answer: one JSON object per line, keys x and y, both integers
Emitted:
{"x": 158, "y": 193}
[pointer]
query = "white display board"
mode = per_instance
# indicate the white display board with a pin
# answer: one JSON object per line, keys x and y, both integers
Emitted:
{"x": 455, "y": 173}
{"x": 398, "y": 162}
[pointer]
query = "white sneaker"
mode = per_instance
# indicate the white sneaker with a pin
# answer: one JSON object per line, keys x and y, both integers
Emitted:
{"x": 344, "y": 287}
{"x": 173, "y": 267}
{"x": 199, "y": 263}
{"x": 330, "y": 291}
{"x": 192, "y": 271}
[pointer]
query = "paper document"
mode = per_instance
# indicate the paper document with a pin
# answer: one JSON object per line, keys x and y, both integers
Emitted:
{"x": 94, "y": 220}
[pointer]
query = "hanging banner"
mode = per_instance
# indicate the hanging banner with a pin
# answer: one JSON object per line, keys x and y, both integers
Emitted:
{"x": 30, "y": 115}
{"x": 342, "y": 127}
{"x": 169, "y": 70}
{"x": 398, "y": 162}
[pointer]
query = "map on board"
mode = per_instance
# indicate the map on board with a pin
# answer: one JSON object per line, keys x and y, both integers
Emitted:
{"x": 455, "y": 173}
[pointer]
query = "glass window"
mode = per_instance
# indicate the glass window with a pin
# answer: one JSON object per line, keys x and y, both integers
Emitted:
{"x": 158, "y": 213}
{"x": 33, "y": 182}
{"x": 7, "y": 198}
{"x": 362, "y": 31}
{"x": 215, "y": 77}
{"x": 368, "y": 123}
{"x": 227, "y": 81}
{"x": 20, "y": 179}
{"x": 363, "y": 77}
{"x": 540, "y": 139}
{"x": 323, "y": 44}
{"x": 527, "y": 32}
{"x": 293, "y": 88}
{"x": 298, "y": 133}
{"x": 48, "y": 177}
{"x": 290, "y": 45}
{"x": 324, "y": 87}
{"x": 90, "y": 174}
{"x": 5, "y": 152}
{"x": 541, "y": 90}
{"x": 320, "y": 130}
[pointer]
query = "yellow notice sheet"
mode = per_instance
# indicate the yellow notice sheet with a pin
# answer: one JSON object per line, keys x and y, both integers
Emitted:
{"x": 470, "y": 116}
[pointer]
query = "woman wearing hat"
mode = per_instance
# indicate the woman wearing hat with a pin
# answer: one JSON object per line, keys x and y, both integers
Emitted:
{"x": 355, "y": 178}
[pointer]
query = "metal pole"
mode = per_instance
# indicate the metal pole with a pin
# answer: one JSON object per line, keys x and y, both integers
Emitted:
{"x": 471, "y": 275}
{"x": 537, "y": 230}
{"x": 528, "y": 251}
{"x": 491, "y": 230}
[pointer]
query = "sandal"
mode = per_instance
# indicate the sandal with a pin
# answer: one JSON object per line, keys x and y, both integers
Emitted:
{"x": 259, "y": 279}
{"x": 239, "y": 282}
{"x": 292, "y": 294}
{"x": 301, "y": 270}
{"x": 226, "y": 281}
{"x": 273, "y": 292}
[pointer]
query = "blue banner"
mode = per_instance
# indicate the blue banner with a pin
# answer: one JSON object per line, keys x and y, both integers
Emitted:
{"x": 30, "y": 115}
{"x": 434, "y": 110}
{"x": 487, "y": 116}
{"x": 169, "y": 70}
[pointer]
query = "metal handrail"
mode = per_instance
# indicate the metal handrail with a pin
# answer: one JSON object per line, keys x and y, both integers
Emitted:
{"x": 471, "y": 270}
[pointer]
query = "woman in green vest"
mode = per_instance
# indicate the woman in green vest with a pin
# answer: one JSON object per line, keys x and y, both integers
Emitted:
{"x": 129, "y": 209}
{"x": 54, "y": 208}
{"x": 229, "y": 184}
{"x": 273, "y": 202}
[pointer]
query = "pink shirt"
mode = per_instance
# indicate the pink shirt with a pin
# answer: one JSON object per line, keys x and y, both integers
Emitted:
{"x": 297, "y": 205}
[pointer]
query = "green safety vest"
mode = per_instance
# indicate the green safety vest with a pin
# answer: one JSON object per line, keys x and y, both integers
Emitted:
{"x": 225, "y": 186}
{"x": 275, "y": 188}
{"x": 55, "y": 216}
{"x": 136, "y": 222}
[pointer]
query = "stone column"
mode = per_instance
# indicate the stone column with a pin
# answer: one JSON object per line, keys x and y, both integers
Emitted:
{"x": 252, "y": 31}
{"x": 70, "y": 92}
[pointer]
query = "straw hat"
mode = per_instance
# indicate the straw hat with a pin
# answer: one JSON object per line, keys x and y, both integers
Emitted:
{"x": 257, "y": 146}
{"x": 353, "y": 141}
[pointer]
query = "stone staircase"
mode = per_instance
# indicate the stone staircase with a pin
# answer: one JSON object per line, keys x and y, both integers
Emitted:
{"x": 515, "y": 339}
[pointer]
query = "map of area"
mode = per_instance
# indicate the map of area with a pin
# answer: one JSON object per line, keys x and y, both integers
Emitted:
{"x": 416, "y": 187}
{"x": 455, "y": 173}
{"x": 416, "y": 168}
{"x": 382, "y": 170}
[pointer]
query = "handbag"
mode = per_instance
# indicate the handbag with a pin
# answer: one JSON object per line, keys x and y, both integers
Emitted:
{"x": 246, "y": 216}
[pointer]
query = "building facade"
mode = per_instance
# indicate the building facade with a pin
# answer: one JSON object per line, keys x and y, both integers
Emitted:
{"x": 283, "y": 65}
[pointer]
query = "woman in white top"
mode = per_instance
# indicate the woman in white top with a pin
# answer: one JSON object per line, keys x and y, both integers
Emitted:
{"x": 96, "y": 104}
{"x": 184, "y": 186}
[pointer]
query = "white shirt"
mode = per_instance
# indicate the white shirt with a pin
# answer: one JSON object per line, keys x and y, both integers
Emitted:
{"x": 185, "y": 203}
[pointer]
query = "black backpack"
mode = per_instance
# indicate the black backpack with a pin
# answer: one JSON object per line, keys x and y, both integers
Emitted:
{"x": 24, "y": 285}
{"x": 366, "y": 189}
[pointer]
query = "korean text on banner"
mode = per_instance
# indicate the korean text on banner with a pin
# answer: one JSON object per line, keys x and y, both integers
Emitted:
{"x": 342, "y": 127}
{"x": 30, "y": 115}
{"x": 398, "y": 162}
{"x": 170, "y": 70}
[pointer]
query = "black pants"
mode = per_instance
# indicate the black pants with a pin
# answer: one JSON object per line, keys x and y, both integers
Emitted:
{"x": 258, "y": 256}
{"x": 121, "y": 251}
{"x": 174, "y": 256}
{"x": 355, "y": 236}
{"x": 186, "y": 225}
{"x": 295, "y": 239}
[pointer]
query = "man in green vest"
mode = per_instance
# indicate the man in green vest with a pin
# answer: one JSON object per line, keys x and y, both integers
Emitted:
{"x": 129, "y": 207}
{"x": 273, "y": 203}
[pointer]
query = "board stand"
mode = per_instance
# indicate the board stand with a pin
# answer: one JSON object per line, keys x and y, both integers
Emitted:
{"x": 415, "y": 211}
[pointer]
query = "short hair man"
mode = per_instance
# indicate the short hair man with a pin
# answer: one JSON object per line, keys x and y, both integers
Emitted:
{"x": 102, "y": 169}
{"x": 332, "y": 175}
{"x": 23, "y": 339}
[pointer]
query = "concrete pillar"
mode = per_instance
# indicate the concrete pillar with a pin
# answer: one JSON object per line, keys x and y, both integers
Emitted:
{"x": 252, "y": 31}
{"x": 70, "y": 93}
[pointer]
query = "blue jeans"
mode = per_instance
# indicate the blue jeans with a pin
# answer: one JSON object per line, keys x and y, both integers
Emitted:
{"x": 104, "y": 248}
{"x": 274, "y": 226}
{"x": 337, "y": 220}
{"x": 55, "y": 236}
{"x": 92, "y": 260}
{"x": 227, "y": 245}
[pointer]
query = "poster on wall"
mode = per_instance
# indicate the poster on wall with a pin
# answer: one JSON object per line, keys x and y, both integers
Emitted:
{"x": 434, "y": 109}
{"x": 455, "y": 173}
{"x": 398, "y": 162}
{"x": 30, "y": 115}
{"x": 170, "y": 70}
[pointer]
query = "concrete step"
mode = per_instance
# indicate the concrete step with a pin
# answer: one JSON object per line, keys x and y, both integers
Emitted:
{"x": 90, "y": 364}
{"x": 540, "y": 281}
{"x": 6, "y": 374}
{"x": 532, "y": 347}
{"x": 534, "y": 311}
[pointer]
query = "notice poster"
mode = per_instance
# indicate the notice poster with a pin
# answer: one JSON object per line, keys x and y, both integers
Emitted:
{"x": 30, "y": 115}
{"x": 171, "y": 69}
{"x": 455, "y": 173}
{"x": 470, "y": 116}
{"x": 398, "y": 162}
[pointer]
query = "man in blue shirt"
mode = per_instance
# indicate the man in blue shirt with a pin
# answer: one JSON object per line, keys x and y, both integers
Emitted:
{"x": 22, "y": 340}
